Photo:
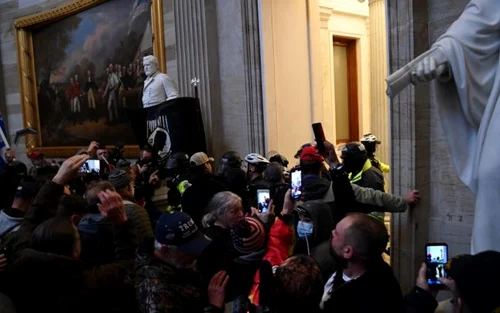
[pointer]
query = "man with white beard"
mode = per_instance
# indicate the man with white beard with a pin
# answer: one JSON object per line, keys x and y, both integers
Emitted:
{"x": 158, "y": 87}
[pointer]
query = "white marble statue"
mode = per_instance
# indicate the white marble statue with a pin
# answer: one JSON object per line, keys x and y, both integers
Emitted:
{"x": 469, "y": 107}
{"x": 158, "y": 86}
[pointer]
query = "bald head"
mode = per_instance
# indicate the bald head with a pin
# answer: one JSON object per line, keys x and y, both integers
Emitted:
{"x": 367, "y": 236}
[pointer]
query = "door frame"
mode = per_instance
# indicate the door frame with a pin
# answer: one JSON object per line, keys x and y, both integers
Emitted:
{"x": 352, "y": 85}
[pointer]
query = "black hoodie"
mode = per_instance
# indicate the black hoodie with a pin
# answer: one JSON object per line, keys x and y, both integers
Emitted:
{"x": 314, "y": 187}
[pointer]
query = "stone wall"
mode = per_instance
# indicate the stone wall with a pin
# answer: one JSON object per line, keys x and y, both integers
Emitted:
{"x": 420, "y": 155}
{"x": 10, "y": 98}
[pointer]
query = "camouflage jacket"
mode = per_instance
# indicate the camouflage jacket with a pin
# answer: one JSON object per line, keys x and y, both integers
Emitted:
{"x": 162, "y": 288}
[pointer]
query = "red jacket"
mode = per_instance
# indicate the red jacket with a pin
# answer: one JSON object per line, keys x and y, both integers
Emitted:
{"x": 279, "y": 248}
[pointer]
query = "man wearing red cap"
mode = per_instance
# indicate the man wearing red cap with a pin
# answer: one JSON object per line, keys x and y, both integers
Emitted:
{"x": 311, "y": 164}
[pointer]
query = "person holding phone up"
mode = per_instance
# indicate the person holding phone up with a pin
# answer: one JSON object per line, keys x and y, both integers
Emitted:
{"x": 472, "y": 281}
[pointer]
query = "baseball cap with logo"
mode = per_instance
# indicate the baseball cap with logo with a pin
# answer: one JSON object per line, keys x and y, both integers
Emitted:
{"x": 200, "y": 158}
{"x": 477, "y": 277}
{"x": 178, "y": 229}
{"x": 310, "y": 153}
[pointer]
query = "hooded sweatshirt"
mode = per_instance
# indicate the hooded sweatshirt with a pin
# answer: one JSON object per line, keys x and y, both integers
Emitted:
{"x": 314, "y": 187}
{"x": 10, "y": 220}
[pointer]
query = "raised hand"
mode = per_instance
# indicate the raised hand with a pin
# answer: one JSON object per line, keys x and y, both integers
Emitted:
{"x": 265, "y": 217}
{"x": 422, "y": 281}
{"x": 93, "y": 146}
{"x": 331, "y": 155}
{"x": 112, "y": 207}
{"x": 69, "y": 169}
{"x": 289, "y": 204}
{"x": 451, "y": 285}
{"x": 413, "y": 198}
{"x": 217, "y": 289}
{"x": 154, "y": 179}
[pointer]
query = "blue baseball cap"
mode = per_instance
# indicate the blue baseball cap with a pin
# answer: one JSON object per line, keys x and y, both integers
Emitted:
{"x": 178, "y": 229}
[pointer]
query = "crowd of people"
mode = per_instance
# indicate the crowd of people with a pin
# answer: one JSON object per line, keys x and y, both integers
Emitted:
{"x": 183, "y": 236}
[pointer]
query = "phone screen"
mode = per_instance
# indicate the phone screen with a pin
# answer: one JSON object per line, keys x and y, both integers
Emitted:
{"x": 263, "y": 198}
{"x": 436, "y": 259}
{"x": 91, "y": 167}
{"x": 296, "y": 184}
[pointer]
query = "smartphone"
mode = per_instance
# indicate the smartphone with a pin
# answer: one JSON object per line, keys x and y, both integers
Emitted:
{"x": 296, "y": 184}
{"x": 263, "y": 199}
{"x": 436, "y": 258}
{"x": 91, "y": 167}
{"x": 319, "y": 137}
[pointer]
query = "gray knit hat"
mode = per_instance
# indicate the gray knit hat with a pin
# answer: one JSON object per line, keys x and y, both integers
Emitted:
{"x": 119, "y": 179}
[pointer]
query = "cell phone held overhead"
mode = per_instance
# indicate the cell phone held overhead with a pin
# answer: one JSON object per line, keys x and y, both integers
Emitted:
{"x": 319, "y": 137}
{"x": 263, "y": 200}
{"x": 436, "y": 259}
{"x": 296, "y": 184}
{"x": 91, "y": 167}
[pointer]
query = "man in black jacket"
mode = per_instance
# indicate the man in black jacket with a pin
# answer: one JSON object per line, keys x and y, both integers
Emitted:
{"x": 204, "y": 185}
{"x": 358, "y": 166}
{"x": 362, "y": 282}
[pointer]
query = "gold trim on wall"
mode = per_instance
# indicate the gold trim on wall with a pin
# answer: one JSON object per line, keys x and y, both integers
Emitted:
{"x": 26, "y": 66}
{"x": 158, "y": 34}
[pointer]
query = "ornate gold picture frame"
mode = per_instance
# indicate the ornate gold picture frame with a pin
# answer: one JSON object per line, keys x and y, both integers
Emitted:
{"x": 69, "y": 112}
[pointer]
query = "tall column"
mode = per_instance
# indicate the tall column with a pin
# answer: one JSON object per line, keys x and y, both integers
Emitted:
{"x": 218, "y": 42}
{"x": 197, "y": 56}
{"x": 314, "y": 42}
{"x": 326, "y": 43}
{"x": 253, "y": 75}
{"x": 410, "y": 133}
{"x": 378, "y": 73}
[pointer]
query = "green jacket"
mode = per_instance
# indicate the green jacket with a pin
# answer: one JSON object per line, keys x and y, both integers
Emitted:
{"x": 389, "y": 202}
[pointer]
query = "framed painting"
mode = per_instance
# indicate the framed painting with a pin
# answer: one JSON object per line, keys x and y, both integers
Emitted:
{"x": 80, "y": 67}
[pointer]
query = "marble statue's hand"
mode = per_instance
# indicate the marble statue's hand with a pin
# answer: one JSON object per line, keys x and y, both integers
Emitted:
{"x": 430, "y": 67}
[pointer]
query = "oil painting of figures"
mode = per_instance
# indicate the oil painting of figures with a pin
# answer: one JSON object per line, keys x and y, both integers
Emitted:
{"x": 88, "y": 70}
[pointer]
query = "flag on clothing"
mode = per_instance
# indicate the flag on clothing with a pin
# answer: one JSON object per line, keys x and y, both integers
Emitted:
{"x": 3, "y": 143}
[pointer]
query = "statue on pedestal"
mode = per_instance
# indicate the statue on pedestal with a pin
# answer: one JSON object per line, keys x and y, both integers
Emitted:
{"x": 466, "y": 61}
{"x": 158, "y": 88}
{"x": 167, "y": 122}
